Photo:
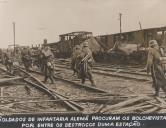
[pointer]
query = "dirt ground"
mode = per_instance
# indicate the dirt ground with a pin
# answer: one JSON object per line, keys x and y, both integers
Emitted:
{"x": 115, "y": 85}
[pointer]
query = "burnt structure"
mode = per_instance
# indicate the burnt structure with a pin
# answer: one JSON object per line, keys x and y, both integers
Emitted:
{"x": 140, "y": 37}
{"x": 67, "y": 42}
{"x": 134, "y": 44}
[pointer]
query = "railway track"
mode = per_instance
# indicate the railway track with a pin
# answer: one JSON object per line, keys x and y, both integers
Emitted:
{"x": 86, "y": 96}
{"x": 117, "y": 84}
{"x": 138, "y": 103}
{"x": 72, "y": 105}
{"x": 87, "y": 99}
{"x": 53, "y": 102}
{"x": 114, "y": 72}
{"x": 88, "y": 88}
{"x": 100, "y": 65}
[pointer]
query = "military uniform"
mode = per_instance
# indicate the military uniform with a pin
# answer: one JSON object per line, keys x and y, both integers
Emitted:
{"x": 49, "y": 71}
{"x": 75, "y": 59}
{"x": 155, "y": 67}
{"x": 41, "y": 60}
{"x": 26, "y": 58}
{"x": 85, "y": 66}
{"x": 48, "y": 64}
{"x": 8, "y": 62}
{"x": 45, "y": 54}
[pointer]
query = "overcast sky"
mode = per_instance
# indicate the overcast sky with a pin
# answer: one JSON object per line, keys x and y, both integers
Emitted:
{"x": 39, "y": 19}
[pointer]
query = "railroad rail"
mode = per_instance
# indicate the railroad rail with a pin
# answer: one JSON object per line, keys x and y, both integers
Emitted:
{"x": 138, "y": 103}
{"x": 125, "y": 104}
{"x": 114, "y": 73}
{"x": 92, "y": 88}
{"x": 32, "y": 81}
{"x": 72, "y": 105}
{"x": 93, "y": 96}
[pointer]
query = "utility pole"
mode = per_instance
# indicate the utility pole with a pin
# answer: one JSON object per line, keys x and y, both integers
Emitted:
{"x": 14, "y": 36}
{"x": 140, "y": 25}
{"x": 120, "y": 18}
{"x": 144, "y": 43}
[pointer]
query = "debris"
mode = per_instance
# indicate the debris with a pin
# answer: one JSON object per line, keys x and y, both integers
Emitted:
{"x": 10, "y": 79}
{"x": 125, "y": 103}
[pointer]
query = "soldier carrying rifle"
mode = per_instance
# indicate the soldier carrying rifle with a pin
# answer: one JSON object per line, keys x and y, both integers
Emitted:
{"x": 8, "y": 61}
{"x": 75, "y": 59}
{"x": 26, "y": 58}
{"x": 85, "y": 66}
{"x": 154, "y": 65}
{"x": 48, "y": 64}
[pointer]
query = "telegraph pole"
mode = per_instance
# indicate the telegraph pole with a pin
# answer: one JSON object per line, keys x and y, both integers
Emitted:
{"x": 120, "y": 18}
{"x": 140, "y": 25}
{"x": 14, "y": 36}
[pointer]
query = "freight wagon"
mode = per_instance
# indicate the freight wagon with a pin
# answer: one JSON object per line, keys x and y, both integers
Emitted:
{"x": 129, "y": 47}
{"x": 64, "y": 47}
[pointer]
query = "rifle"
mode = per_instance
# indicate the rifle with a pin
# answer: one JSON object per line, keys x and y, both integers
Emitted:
{"x": 85, "y": 59}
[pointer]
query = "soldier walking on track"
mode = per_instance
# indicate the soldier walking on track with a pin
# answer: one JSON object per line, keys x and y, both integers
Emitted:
{"x": 40, "y": 59}
{"x": 8, "y": 62}
{"x": 49, "y": 70}
{"x": 26, "y": 58}
{"x": 75, "y": 59}
{"x": 85, "y": 66}
{"x": 48, "y": 64}
{"x": 155, "y": 67}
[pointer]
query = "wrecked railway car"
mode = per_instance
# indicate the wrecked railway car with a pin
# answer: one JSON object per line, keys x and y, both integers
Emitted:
{"x": 139, "y": 37}
{"x": 65, "y": 46}
{"x": 131, "y": 46}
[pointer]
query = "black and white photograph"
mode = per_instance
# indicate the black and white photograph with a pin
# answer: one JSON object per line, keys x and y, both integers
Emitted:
{"x": 82, "y": 57}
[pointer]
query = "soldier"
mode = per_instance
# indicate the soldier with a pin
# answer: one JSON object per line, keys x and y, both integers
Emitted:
{"x": 75, "y": 59}
{"x": 8, "y": 62}
{"x": 26, "y": 58}
{"x": 85, "y": 66}
{"x": 48, "y": 64}
{"x": 49, "y": 70}
{"x": 45, "y": 52}
{"x": 154, "y": 66}
{"x": 41, "y": 59}
{"x": 161, "y": 50}
{"x": 1, "y": 55}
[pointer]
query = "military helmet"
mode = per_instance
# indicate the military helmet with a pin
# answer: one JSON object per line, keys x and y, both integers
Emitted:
{"x": 152, "y": 43}
{"x": 85, "y": 44}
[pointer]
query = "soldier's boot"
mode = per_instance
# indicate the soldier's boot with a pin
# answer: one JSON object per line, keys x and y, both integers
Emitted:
{"x": 74, "y": 72}
{"x": 10, "y": 69}
{"x": 26, "y": 68}
{"x": 156, "y": 94}
{"x": 156, "y": 91}
{"x": 93, "y": 83}
{"x": 164, "y": 90}
{"x": 45, "y": 79}
{"x": 7, "y": 68}
{"x": 83, "y": 81}
{"x": 52, "y": 80}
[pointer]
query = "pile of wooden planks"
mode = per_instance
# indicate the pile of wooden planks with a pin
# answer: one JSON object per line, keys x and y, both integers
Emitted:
{"x": 4, "y": 80}
{"x": 139, "y": 104}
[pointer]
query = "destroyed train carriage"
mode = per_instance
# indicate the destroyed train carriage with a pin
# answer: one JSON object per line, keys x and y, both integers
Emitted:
{"x": 67, "y": 42}
{"x": 129, "y": 47}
